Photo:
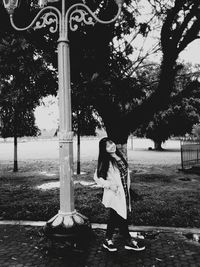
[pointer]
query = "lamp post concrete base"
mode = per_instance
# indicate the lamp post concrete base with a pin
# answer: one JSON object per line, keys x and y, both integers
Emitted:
{"x": 72, "y": 228}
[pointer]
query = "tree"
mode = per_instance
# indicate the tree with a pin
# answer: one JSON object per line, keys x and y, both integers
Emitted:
{"x": 177, "y": 120}
{"x": 93, "y": 60}
{"x": 181, "y": 114}
{"x": 121, "y": 115}
{"x": 17, "y": 123}
{"x": 84, "y": 119}
{"x": 196, "y": 131}
{"x": 25, "y": 77}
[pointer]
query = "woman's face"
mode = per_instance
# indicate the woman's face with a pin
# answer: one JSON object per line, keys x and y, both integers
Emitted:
{"x": 110, "y": 147}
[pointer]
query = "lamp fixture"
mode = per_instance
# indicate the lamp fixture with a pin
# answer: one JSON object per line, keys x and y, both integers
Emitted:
{"x": 10, "y": 5}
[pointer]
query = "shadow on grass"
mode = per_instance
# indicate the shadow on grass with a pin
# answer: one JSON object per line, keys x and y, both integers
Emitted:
{"x": 159, "y": 199}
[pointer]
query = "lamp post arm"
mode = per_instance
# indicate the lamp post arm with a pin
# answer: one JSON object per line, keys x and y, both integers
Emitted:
{"x": 80, "y": 14}
{"x": 47, "y": 19}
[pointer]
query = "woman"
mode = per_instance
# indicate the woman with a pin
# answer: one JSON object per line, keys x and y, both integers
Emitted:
{"x": 112, "y": 174}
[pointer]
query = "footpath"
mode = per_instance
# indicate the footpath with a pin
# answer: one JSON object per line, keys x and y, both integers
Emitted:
{"x": 23, "y": 245}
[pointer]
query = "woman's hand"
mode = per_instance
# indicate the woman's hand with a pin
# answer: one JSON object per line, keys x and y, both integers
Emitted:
{"x": 114, "y": 187}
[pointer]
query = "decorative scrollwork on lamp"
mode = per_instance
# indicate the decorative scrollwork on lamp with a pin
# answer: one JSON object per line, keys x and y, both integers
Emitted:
{"x": 48, "y": 19}
{"x": 78, "y": 16}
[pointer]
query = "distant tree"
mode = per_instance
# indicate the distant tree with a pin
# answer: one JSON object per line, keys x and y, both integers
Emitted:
{"x": 17, "y": 122}
{"x": 180, "y": 115}
{"x": 196, "y": 131}
{"x": 175, "y": 121}
{"x": 25, "y": 77}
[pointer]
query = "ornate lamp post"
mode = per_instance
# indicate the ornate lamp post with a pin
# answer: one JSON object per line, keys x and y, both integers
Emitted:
{"x": 68, "y": 221}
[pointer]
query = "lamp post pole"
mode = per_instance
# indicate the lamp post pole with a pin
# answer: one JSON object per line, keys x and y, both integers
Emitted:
{"x": 65, "y": 123}
{"x": 68, "y": 222}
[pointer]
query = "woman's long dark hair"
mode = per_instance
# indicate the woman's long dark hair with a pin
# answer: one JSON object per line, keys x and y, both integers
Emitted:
{"x": 105, "y": 158}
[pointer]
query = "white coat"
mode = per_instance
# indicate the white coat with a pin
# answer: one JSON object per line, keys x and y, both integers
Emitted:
{"x": 111, "y": 199}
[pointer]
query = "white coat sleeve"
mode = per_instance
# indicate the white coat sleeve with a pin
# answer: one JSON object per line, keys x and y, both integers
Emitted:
{"x": 102, "y": 182}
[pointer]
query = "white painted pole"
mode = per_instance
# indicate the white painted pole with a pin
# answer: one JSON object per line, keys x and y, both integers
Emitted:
{"x": 65, "y": 132}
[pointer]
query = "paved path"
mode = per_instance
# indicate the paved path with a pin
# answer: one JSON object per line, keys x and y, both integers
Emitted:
{"x": 24, "y": 245}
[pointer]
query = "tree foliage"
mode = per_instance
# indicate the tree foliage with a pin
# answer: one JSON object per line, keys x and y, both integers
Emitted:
{"x": 196, "y": 131}
{"x": 25, "y": 77}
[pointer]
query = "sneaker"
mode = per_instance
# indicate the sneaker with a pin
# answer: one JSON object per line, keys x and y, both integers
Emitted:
{"x": 108, "y": 244}
{"x": 134, "y": 245}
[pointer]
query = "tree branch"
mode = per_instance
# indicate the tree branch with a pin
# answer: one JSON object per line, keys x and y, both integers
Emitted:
{"x": 178, "y": 33}
{"x": 166, "y": 37}
{"x": 191, "y": 35}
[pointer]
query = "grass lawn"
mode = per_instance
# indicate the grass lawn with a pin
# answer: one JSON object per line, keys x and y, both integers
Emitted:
{"x": 162, "y": 196}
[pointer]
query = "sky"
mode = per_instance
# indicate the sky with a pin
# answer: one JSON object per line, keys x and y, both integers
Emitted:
{"x": 47, "y": 115}
{"x": 192, "y": 53}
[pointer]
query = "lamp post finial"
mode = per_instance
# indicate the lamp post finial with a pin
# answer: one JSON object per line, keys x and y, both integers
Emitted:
{"x": 119, "y": 2}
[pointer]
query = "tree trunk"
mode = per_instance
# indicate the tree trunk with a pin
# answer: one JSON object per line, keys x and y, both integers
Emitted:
{"x": 158, "y": 145}
{"x": 131, "y": 142}
{"x": 78, "y": 153}
{"x": 159, "y": 100}
{"x": 123, "y": 149}
{"x": 15, "y": 168}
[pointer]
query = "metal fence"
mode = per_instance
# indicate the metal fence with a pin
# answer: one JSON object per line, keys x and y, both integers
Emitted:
{"x": 190, "y": 153}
